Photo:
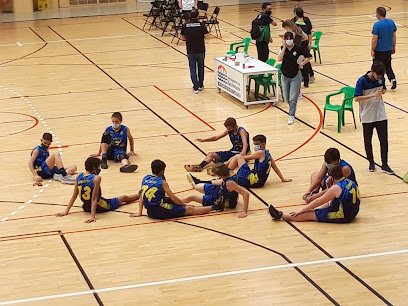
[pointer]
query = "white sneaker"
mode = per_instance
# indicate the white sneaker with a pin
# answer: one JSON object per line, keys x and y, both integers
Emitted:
{"x": 291, "y": 120}
{"x": 200, "y": 88}
{"x": 57, "y": 177}
{"x": 300, "y": 95}
{"x": 68, "y": 179}
{"x": 312, "y": 79}
{"x": 196, "y": 91}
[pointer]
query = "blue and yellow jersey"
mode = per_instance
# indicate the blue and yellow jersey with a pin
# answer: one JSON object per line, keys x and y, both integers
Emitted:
{"x": 43, "y": 154}
{"x": 348, "y": 203}
{"x": 231, "y": 197}
{"x": 86, "y": 186}
{"x": 118, "y": 138}
{"x": 352, "y": 175}
{"x": 152, "y": 190}
{"x": 236, "y": 140}
{"x": 261, "y": 170}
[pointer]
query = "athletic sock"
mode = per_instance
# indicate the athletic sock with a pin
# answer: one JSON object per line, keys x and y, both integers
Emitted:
{"x": 63, "y": 172}
{"x": 203, "y": 164}
{"x": 203, "y": 182}
{"x": 104, "y": 155}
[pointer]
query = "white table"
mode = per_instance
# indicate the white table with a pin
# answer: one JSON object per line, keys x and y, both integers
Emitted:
{"x": 234, "y": 79}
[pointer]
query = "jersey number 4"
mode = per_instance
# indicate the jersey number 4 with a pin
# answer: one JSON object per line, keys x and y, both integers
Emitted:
{"x": 148, "y": 193}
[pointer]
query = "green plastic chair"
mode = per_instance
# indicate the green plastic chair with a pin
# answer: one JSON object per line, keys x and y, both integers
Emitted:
{"x": 346, "y": 105}
{"x": 256, "y": 77}
{"x": 316, "y": 40}
{"x": 244, "y": 43}
{"x": 266, "y": 81}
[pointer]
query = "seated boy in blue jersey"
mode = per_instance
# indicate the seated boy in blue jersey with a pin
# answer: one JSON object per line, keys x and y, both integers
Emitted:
{"x": 114, "y": 145}
{"x": 46, "y": 166}
{"x": 256, "y": 177}
{"x": 321, "y": 179}
{"x": 160, "y": 206}
{"x": 239, "y": 138}
{"x": 225, "y": 190}
{"x": 339, "y": 204}
{"x": 88, "y": 189}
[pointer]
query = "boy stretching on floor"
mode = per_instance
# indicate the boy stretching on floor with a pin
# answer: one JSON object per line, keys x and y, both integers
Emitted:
{"x": 239, "y": 138}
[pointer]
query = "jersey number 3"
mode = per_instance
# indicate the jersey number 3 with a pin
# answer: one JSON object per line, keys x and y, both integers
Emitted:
{"x": 85, "y": 193}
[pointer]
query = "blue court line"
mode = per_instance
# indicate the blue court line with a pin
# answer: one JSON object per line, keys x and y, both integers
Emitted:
{"x": 396, "y": 107}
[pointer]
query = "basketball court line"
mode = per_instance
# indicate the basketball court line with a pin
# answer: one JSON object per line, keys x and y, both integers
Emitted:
{"x": 182, "y": 106}
{"x": 79, "y": 266}
{"x": 209, "y": 276}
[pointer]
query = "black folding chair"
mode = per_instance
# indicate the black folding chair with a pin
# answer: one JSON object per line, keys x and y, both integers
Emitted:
{"x": 154, "y": 13}
{"x": 213, "y": 22}
{"x": 202, "y": 8}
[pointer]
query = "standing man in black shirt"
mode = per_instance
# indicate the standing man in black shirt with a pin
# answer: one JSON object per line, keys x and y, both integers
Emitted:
{"x": 264, "y": 21}
{"x": 194, "y": 33}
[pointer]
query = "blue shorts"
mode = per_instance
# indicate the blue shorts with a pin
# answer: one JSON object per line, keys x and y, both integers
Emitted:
{"x": 225, "y": 155}
{"x": 113, "y": 152}
{"x": 210, "y": 194}
{"x": 45, "y": 172}
{"x": 331, "y": 215}
{"x": 166, "y": 210}
{"x": 104, "y": 205}
{"x": 243, "y": 172}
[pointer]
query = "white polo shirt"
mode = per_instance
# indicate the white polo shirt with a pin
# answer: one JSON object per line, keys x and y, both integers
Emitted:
{"x": 187, "y": 5}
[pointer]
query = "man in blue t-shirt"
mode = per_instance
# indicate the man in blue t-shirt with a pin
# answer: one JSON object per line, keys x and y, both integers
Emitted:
{"x": 368, "y": 92}
{"x": 383, "y": 42}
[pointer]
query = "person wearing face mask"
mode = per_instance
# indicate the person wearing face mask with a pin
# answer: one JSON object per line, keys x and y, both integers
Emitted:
{"x": 258, "y": 176}
{"x": 114, "y": 145}
{"x": 368, "y": 93}
{"x": 158, "y": 205}
{"x": 264, "y": 22}
{"x": 88, "y": 189}
{"x": 321, "y": 180}
{"x": 291, "y": 76}
{"x": 239, "y": 138}
{"x": 305, "y": 24}
{"x": 45, "y": 166}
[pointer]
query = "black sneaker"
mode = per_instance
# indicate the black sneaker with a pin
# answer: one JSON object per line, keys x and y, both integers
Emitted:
{"x": 394, "y": 84}
{"x": 371, "y": 167}
{"x": 192, "y": 179}
{"x": 275, "y": 214}
{"x": 386, "y": 169}
{"x": 104, "y": 164}
{"x": 219, "y": 204}
{"x": 128, "y": 168}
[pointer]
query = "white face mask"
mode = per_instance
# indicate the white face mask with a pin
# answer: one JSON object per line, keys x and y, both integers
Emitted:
{"x": 116, "y": 126}
{"x": 329, "y": 166}
{"x": 257, "y": 147}
{"x": 289, "y": 42}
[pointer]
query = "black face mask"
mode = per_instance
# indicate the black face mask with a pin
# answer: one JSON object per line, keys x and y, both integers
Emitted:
{"x": 97, "y": 171}
{"x": 44, "y": 146}
{"x": 268, "y": 13}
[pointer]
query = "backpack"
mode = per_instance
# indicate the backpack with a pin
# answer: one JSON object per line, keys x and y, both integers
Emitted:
{"x": 255, "y": 31}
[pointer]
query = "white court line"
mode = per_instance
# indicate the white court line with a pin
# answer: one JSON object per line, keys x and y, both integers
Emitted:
{"x": 400, "y": 25}
{"x": 205, "y": 276}
{"x": 348, "y": 17}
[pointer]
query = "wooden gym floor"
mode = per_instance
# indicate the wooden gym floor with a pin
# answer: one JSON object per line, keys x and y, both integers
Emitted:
{"x": 67, "y": 76}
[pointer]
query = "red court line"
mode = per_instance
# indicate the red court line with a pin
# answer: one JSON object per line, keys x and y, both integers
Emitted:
{"x": 314, "y": 134}
{"x": 97, "y": 142}
{"x": 185, "y": 108}
{"x": 18, "y": 132}
{"x": 256, "y": 113}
